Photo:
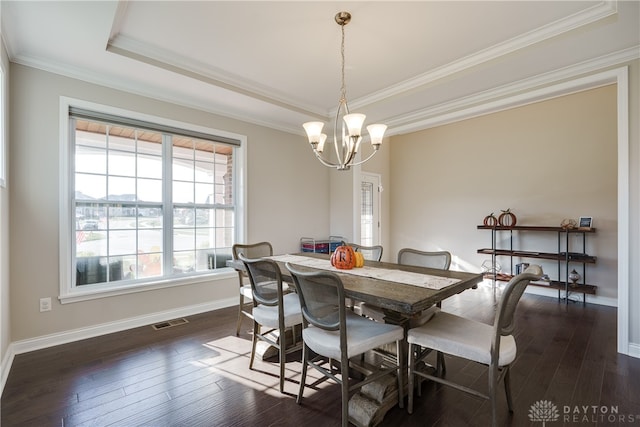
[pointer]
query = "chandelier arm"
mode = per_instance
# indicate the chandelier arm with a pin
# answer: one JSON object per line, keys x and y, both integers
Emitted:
{"x": 341, "y": 155}
{"x": 352, "y": 152}
{"x": 326, "y": 162}
{"x": 362, "y": 161}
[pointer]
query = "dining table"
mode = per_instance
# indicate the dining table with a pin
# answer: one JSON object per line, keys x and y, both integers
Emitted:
{"x": 402, "y": 292}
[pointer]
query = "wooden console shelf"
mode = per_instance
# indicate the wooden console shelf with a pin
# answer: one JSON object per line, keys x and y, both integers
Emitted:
{"x": 554, "y": 284}
{"x": 554, "y": 256}
{"x": 563, "y": 258}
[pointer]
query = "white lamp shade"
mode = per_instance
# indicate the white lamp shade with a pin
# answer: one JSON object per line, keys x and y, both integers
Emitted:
{"x": 376, "y": 132}
{"x": 354, "y": 123}
{"x": 323, "y": 138}
{"x": 313, "y": 129}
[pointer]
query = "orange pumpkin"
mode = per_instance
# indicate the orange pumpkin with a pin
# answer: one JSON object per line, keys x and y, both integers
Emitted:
{"x": 359, "y": 260}
{"x": 343, "y": 258}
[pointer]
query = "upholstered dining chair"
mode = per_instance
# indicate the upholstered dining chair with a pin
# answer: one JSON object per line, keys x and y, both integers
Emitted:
{"x": 490, "y": 345}
{"x": 333, "y": 332}
{"x": 438, "y": 259}
{"x": 430, "y": 259}
{"x": 273, "y": 309}
{"x": 252, "y": 251}
{"x": 371, "y": 253}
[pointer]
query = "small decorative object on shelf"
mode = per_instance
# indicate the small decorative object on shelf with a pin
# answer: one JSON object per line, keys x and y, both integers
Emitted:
{"x": 568, "y": 224}
{"x": 490, "y": 220}
{"x": 520, "y": 268}
{"x": 491, "y": 267}
{"x": 574, "y": 276}
{"x": 507, "y": 218}
{"x": 585, "y": 223}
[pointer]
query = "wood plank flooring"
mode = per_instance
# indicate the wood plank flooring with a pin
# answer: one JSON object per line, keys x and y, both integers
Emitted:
{"x": 197, "y": 374}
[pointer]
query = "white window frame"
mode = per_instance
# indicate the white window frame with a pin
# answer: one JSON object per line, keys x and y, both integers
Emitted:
{"x": 3, "y": 126}
{"x": 69, "y": 293}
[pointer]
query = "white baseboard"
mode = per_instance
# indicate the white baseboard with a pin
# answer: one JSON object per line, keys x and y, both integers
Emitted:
{"x": 634, "y": 350}
{"x": 591, "y": 299}
{"x": 45, "y": 341}
{"x": 7, "y": 361}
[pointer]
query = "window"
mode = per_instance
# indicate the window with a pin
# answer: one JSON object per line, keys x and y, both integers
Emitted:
{"x": 150, "y": 203}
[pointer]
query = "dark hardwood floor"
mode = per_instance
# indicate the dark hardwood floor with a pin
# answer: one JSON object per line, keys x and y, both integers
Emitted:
{"x": 197, "y": 375}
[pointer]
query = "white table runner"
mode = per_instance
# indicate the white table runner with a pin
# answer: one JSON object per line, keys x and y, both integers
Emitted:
{"x": 399, "y": 276}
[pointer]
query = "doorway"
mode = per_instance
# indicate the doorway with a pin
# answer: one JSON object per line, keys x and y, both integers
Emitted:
{"x": 370, "y": 187}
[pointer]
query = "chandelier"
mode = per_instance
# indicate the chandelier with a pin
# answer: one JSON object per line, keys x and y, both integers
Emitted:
{"x": 350, "y": 125}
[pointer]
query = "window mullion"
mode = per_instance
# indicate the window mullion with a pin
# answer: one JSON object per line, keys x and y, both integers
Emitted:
{"x": 167, "y": 203}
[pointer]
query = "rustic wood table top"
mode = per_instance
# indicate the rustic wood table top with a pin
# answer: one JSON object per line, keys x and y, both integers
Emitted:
{"x": 402, "y": 299}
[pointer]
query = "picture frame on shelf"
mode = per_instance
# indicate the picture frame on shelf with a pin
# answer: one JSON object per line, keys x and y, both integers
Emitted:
{"x": 585, "y": 223}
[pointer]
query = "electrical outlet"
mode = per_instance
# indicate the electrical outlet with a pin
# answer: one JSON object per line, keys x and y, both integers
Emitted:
{"x": 45, "y": 304}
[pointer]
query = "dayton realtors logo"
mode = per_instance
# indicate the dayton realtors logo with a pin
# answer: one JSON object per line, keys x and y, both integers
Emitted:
{"x": 543, "y": 410}
{"x": 546, "y": 411}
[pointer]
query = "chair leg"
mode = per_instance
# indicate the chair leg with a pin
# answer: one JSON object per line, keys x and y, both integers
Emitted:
{"x": 240, "y": 315}
{"x": 418, "y": 351}
{"x": 441, "y": 368}
{"x": 256, "y": 331}
{"x": 412, "y": 358}
{"x": 293, "y": 336}
{"x": 400, "y": 363}
{"x": 492, "y": 394}
{"x": 344, "y": 371}
{"x": 507, "y": 388}
{"x": 303, "y": 377}
{"x": 283, "y": 356}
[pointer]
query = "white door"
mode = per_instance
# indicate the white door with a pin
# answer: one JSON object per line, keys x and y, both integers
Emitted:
{"x": 370, "y": 209}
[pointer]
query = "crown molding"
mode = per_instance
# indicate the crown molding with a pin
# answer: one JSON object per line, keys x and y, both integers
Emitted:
{"x": 587, "y": 16}
{"x": 514, "y": 94}
{"x": 161, "y": 58}
{"x": 142, "y": 90}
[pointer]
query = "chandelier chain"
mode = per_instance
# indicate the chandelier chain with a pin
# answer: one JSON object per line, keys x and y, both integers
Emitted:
{"x": 343, "y": 88}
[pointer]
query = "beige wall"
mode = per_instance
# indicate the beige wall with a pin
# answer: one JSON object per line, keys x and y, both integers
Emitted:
{"x": 546, "y": 161}
{"x": 287, "y": 198}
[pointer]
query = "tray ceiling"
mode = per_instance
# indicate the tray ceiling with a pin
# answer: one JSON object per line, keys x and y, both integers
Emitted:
{"x": 278, "y": 63}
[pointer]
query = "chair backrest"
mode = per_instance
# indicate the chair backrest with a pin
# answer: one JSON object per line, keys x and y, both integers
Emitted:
{"x": 439, "y": 259}
{"x": 321, "y": 296}
{"x": 371, "y": 253}
{"x": 266, "y": 280}
{"x": 252, "y": 250}
{"x": 504, "y": 322}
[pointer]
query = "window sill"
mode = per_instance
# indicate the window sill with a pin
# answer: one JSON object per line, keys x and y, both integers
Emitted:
{"x": 97, "y": 292}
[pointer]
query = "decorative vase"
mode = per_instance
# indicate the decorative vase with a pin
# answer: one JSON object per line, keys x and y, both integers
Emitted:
{"x": 574, "y": 276}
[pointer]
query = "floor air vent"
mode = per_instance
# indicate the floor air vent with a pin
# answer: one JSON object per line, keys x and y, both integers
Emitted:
{"x": 170, "y": 323}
